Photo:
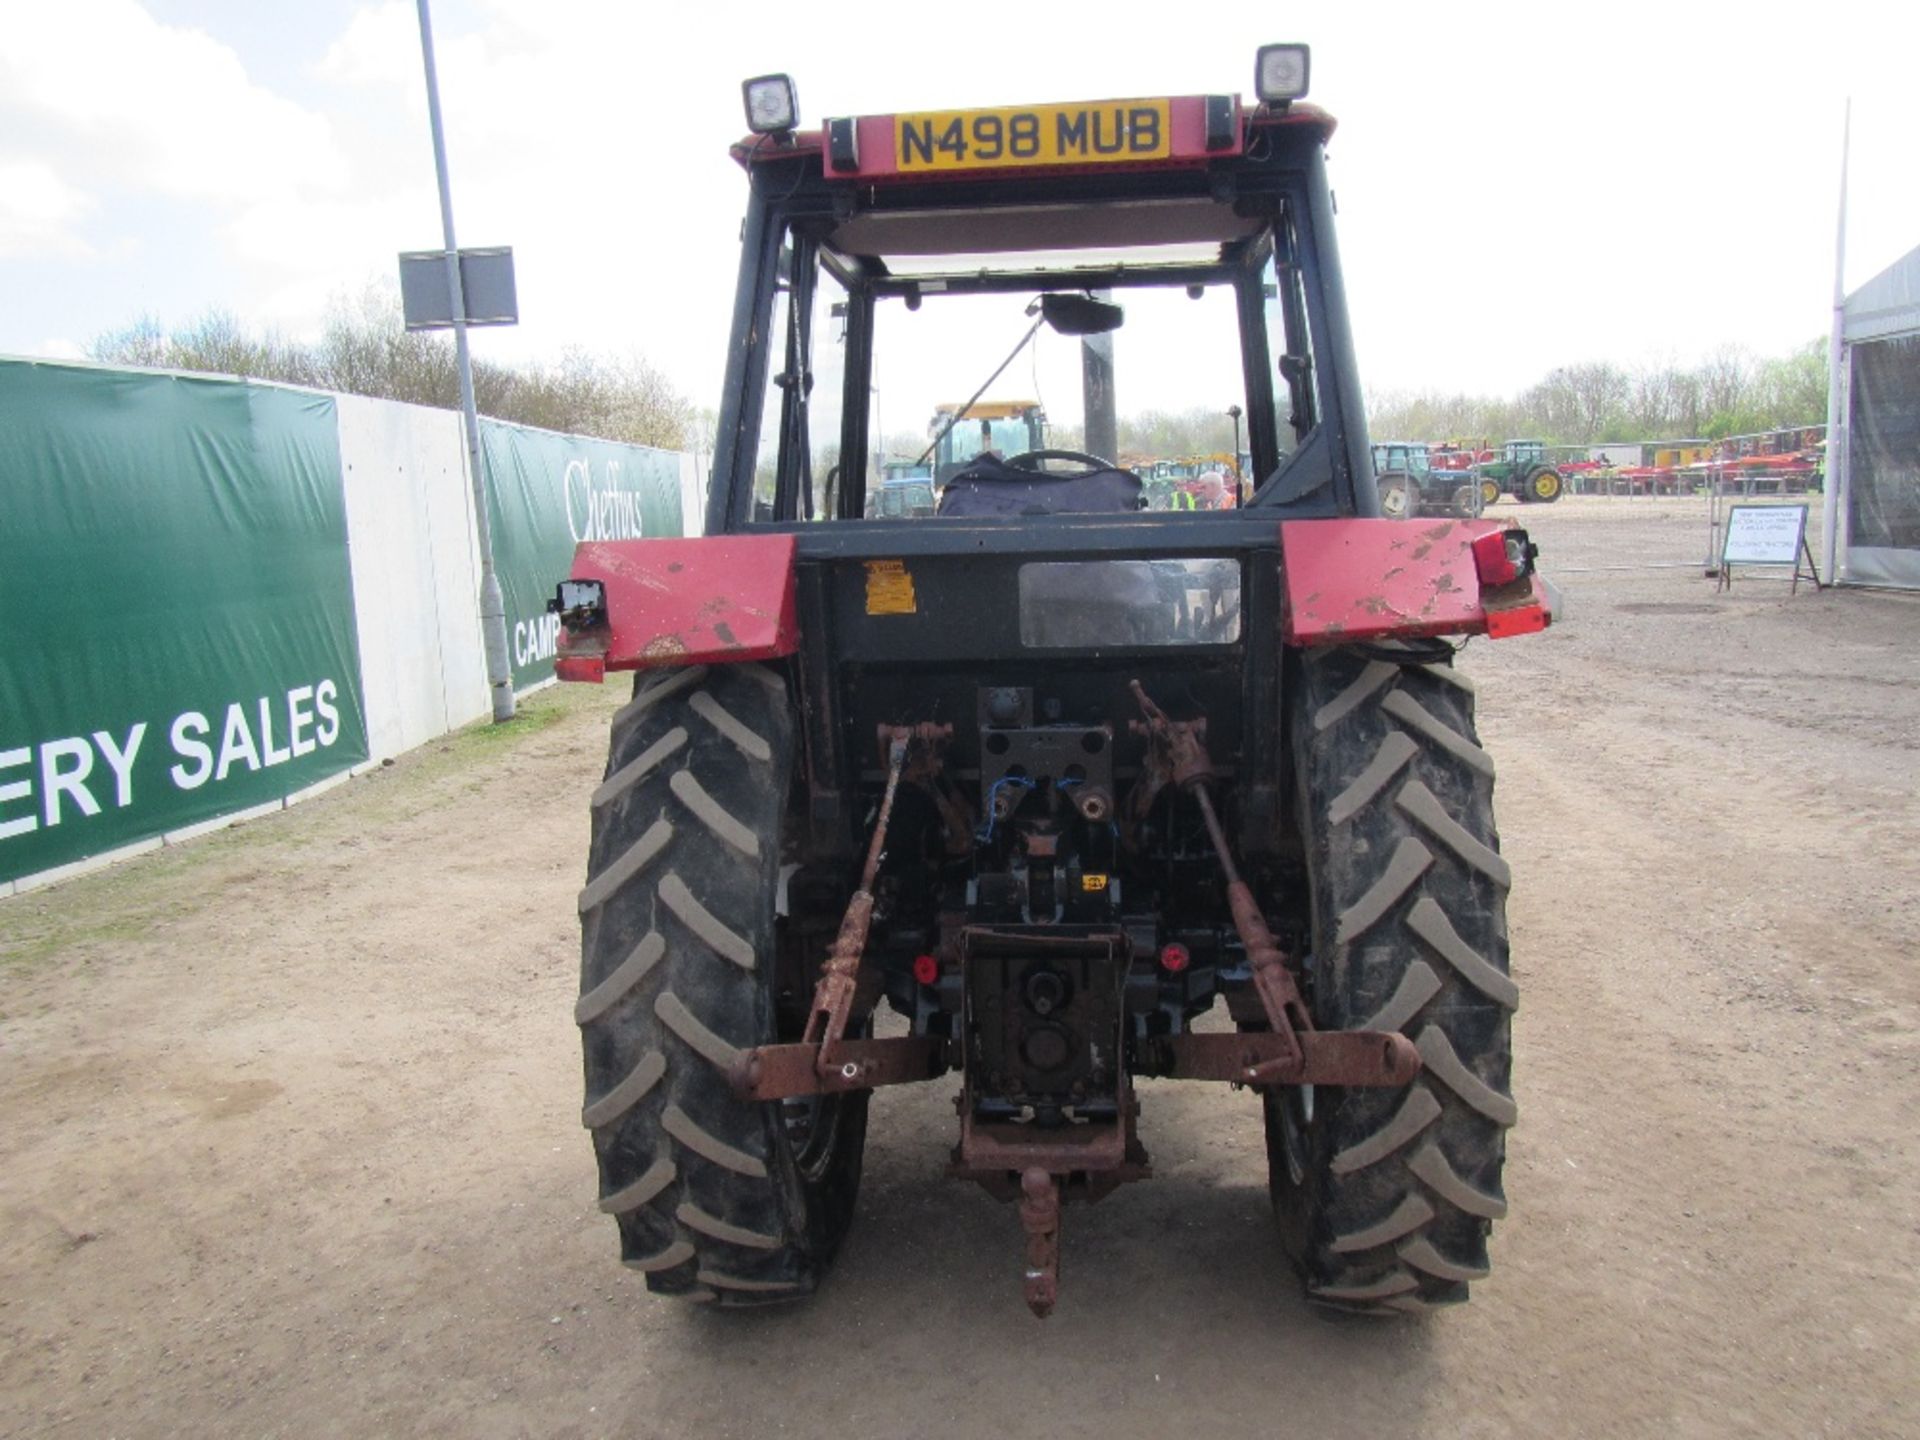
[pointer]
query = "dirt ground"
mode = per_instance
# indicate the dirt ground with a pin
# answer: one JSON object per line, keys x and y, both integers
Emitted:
{"x": 290, "y": 1144}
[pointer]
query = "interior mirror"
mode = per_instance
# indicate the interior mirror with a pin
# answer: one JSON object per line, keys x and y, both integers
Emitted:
{"x": 1080, "y": 314}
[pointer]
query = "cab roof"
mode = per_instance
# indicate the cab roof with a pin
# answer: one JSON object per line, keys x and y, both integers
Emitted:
{"x": 990, "y": 409}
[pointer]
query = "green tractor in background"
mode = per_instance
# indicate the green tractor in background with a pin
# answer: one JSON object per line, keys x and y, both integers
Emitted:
{"x": 1522, "y": 471}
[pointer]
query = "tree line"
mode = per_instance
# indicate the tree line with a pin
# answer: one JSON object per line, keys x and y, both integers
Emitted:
{"x": 1729, "y": 393}
{"x": 365, "y": 348}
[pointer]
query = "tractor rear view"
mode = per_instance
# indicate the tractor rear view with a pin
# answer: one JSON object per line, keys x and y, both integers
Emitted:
{"x": 1087, "y": 795}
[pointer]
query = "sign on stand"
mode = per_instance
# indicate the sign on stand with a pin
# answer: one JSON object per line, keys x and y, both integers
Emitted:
{"x": 1767, "y": 535}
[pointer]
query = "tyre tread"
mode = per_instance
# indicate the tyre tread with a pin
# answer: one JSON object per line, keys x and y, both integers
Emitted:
{"x": 1409, "y": 889}
{"x": 677, "y": 928}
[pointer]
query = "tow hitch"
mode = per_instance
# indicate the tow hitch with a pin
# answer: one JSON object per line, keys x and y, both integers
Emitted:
{"x": 1290, "y": 1051}
{"x": 824, "y": 1061}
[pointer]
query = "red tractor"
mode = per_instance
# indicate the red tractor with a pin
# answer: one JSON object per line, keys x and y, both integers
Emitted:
{"x": 1049, "y": 775}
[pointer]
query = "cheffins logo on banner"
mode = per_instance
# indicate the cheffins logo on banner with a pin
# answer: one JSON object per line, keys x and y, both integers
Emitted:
{"x": 602, "y": 510}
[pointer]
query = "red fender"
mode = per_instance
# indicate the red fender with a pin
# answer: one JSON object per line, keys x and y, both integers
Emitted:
{"x": 1367, "y": 579}
{"x": 697, "y": 601}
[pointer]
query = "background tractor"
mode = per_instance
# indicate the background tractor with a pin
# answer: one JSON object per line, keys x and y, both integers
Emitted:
{"x": 1524, "y": 471}
{"x": 1087, "y": 795}
{"x": 963, "y": 432}
{"x": 1410, "y": 485}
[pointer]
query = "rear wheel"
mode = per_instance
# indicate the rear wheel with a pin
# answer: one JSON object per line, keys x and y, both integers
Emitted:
{"x": 717, "y": 1199}
{"x": 1385, "y": 1196}
{"x": 1396, "y": 497}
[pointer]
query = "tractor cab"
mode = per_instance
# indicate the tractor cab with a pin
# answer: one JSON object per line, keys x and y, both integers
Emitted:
{"x": 1399, "y": 457}
{"x": 963, "y": 433}
{"x": 1161, "y": 251}
{"x": 904, "y": 497}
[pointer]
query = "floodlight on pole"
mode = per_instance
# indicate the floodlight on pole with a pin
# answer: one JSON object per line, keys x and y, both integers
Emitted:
{"x": 493, "y": 607}
{"x": 1239, "y": 480}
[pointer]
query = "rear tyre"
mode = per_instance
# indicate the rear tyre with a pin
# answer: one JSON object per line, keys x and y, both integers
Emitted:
{"x": 1542, "y": 487}
{"x": 717, "y": 1199}
{"x": 1396, "y": 497}
{"x": 1385, "y": 1197}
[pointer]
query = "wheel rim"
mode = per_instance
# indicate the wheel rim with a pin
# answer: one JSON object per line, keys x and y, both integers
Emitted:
{"x": 1296, "y": 1114}
{"x": 812, "y": 1127}
{"x": 1489, "y": 492}
{"x": 1393, "y": 502}
{"x": 1546, "y": 486}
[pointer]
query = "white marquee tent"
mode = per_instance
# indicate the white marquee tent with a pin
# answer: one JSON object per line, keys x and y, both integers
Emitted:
{"x": 1874, "y": 469}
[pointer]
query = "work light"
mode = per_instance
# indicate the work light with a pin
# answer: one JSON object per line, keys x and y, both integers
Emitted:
{"x": 772, "y": 106}
{"x": 1280, "y": 74}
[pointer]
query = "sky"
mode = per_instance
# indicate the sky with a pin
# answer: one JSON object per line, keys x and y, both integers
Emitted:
{"x": 1519, "y": 186}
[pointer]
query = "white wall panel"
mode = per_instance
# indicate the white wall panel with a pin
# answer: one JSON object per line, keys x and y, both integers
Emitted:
{"x": 693, "y": 494}
{"x": 411, "y": 545}
{"x": 456, "y": 569}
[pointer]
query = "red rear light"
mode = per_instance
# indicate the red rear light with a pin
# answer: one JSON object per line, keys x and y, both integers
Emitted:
{"x": 926, "y": 969}
{"x": 1173, "y": 958}
{"x": 1501, "y": 557}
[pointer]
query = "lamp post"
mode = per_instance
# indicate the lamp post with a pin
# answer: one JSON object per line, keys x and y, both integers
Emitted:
{"x": 1239, "y": 480}
{"x": 493, "y": 616}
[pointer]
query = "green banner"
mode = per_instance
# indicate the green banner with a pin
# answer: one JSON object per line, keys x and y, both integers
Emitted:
{"x": 176, "y": 615}
{"x": 549, "y": 492}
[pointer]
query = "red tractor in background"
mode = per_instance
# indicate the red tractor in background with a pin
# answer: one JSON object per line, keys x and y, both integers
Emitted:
{"x": 1051, "y": 776}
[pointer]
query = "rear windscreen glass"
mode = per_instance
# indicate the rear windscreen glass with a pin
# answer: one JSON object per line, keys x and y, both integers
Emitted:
{"x": 1078, "y": 605}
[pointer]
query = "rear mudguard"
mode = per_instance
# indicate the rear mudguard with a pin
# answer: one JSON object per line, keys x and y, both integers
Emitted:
{"x": 693, "y": 601}
{"x": 1357, "y": 579}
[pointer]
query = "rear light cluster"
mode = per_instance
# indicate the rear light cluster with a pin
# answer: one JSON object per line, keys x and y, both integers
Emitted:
{"x": 1502, "y": 557}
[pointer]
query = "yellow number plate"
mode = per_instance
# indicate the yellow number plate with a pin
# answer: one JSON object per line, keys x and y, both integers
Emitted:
{"x": 1101, "y": 133}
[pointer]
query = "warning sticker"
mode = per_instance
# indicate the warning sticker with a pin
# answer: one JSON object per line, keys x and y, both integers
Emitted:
{"x": 1093, "y": 884}
{"x": 890, "y": 588}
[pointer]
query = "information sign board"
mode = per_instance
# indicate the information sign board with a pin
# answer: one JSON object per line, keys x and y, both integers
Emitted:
{"x": 1764, "y": 534}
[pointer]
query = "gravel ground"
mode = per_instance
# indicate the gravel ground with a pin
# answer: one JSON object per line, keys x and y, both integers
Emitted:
{"x": 291, "y": 1141}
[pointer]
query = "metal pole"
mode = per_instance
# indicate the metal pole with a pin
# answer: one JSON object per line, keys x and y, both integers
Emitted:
{"x": 493, "y": 606}
{"x": 1837, "y": 436}
{"x": 1101, "y": 421}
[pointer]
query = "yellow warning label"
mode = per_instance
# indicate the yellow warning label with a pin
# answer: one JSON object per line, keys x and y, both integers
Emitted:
{"x": 1093, "y": 884}
{"x": 890, "y": 588}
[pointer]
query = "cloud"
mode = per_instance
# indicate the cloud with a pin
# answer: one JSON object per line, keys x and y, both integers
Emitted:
{"x": 38, "y": 211}
{"x": 159, "y": 107}
{"x": 380, "y": 46}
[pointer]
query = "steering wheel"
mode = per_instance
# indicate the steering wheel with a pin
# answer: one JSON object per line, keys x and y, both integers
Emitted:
{"x": 1032, "y": 460}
